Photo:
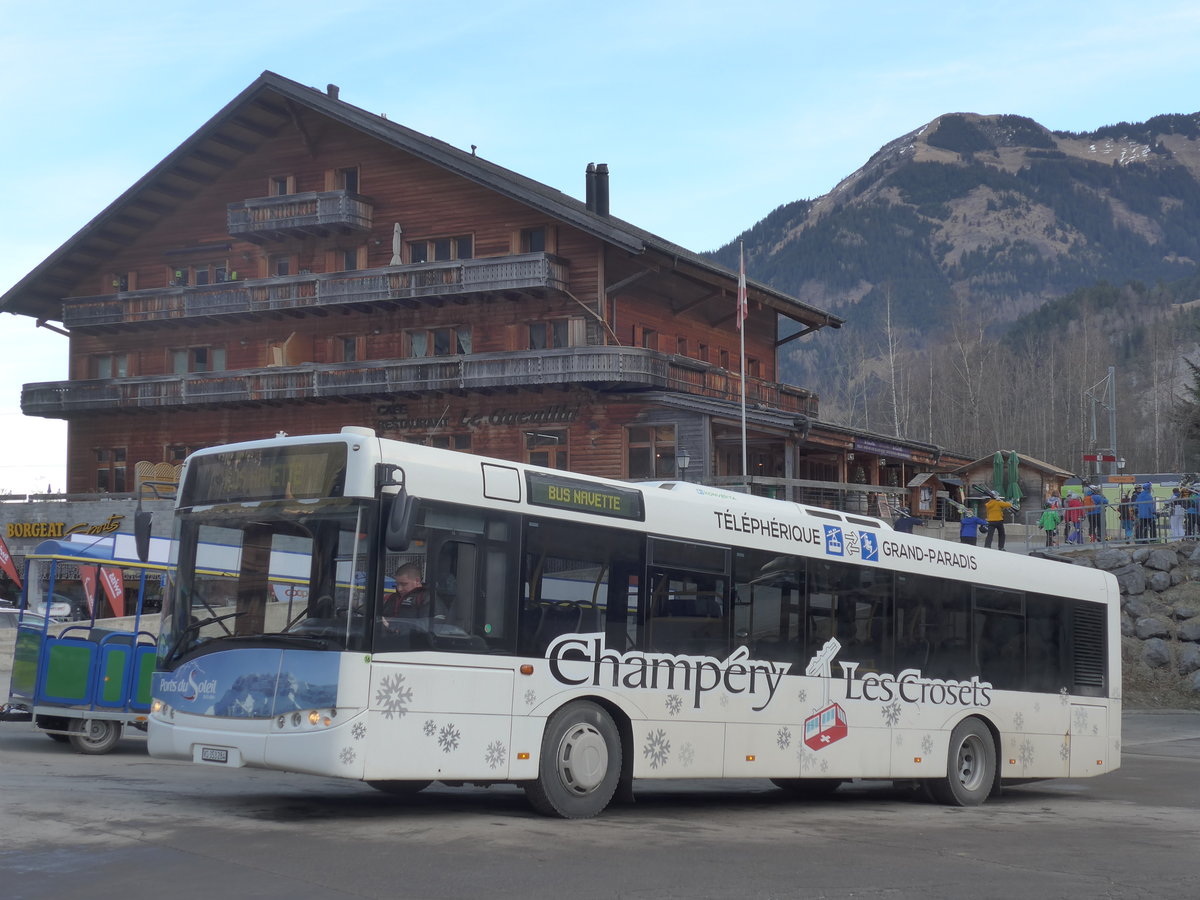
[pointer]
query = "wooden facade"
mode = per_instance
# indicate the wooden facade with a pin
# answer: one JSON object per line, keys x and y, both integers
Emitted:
{"x": 299, "y": 264}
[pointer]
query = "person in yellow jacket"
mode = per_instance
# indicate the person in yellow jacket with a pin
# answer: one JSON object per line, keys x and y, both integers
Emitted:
{"x": 995, "y": 508}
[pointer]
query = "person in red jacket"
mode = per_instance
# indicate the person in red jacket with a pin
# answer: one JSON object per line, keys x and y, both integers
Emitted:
{"x": 1074, "y": 518}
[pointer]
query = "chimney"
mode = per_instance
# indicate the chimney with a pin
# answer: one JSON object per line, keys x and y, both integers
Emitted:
{"x": 332, "y": 91}
{"x": 601, "y": 189}
{"x": 589, "y": 180}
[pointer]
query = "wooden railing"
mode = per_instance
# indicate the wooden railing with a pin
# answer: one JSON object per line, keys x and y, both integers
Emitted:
{"x": 529, "y": 271}
{"x": 626, "y": 368}
{"x": 311, "y": 212}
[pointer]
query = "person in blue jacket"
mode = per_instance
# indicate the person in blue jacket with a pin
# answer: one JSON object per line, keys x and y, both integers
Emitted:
{"x": 1147, "y": 526}
{"x": 970, "y": 527}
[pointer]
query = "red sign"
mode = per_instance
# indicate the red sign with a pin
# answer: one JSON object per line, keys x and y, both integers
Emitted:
{"x": 87, "y": 577}
{"x": 825, "y": 727}
{"x": 1099, "y": 457}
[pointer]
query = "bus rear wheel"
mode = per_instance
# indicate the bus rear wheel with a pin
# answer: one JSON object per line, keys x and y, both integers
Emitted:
{"x": 970, "y": 766}
{"x": 580, "y": 764}
{"x": 94, "y": 736}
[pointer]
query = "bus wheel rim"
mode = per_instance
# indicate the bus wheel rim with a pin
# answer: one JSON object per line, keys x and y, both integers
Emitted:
{"x": 582, "y": 758}
{"x": 970, "y": 762}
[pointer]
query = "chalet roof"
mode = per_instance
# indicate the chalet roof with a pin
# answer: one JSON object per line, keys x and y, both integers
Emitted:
{"x": 1025, "y": 462}
{"x": 272, "y": 102}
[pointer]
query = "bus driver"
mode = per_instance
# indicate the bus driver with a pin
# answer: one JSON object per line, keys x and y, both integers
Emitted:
{"x": 410, "y": 599}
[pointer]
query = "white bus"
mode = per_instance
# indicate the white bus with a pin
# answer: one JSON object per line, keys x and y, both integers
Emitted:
{"x": 577, "y": 633}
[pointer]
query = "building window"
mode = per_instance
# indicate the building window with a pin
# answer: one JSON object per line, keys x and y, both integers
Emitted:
{"x": 177, "y": 453}
{"x": 546, "y": 335}
{"x": 180, "y": 277}
{"x": 753, "y": 368}
{"x": 197, "y": 359}
{"x": 449, "y": 341}
{"x": 110, "y": 470}
{"x": 650, "y": 451}
{"x": 681, "y": 346}
{"x": 723, "y": 359}
{"x": 347, "y": 349}
{"x": 461, "y": 442}
{"x": 441, "y": 249}
{"x": 702, "y": 352}
{"x": 648, "y": 338}
{"x": 533, "y": 240}
{"x": 109, "y": 365}
{"x": 123, "y": 281}
{"x": 347, "y": 179}
{"x": 279, "y": 265}
{"x": 281, "y": 185}
{"x": 547, "y": 448}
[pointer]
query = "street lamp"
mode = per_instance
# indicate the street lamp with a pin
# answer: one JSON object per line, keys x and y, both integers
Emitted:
{"x": 683, "y": 459}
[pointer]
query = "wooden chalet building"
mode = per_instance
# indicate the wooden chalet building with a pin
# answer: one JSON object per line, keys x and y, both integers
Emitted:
{"x": 299, "y": 264}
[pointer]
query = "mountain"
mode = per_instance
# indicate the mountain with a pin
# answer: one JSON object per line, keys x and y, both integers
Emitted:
{"x": 967, "y": 225}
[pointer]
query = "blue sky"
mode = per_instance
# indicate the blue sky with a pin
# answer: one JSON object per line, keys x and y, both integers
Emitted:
{"x": 709, "y": 114}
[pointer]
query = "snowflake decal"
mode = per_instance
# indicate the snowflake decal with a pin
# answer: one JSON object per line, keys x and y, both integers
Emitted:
{"x": 1064, "y": 751}
{"x": 724, "y": 699}
{"x": 825, "y": 765}
{"x": 687, "y": 755}
{"x": 495, "y": 754}
{"x": 393, "y": 696}
{"x": 448, "y": 738}
{"x": 1081, "y": 720}
{"x": 899, "y": 738}
{"x": 359, "y": 731}
{"x": 784, "y": 738}
{"x": 430, "y": 728}
{"x": 530, "y": 698}
{"x": 657, "y": 749}
{"x": 1025, "y": 752}
{"x": 1018, "y": 722}
{"x": 891, "y": 713}
{"x": 674, "y": 704}
{"x": 802, "y": 696}
{"x": 806, "y": 759}
{"x": 926, "y": 745}
{"x": 1063, "y": 697}
{"x": 1095, "y": 731}
{"x": 347, "y": 756}
{"x": 1037, "y": 706}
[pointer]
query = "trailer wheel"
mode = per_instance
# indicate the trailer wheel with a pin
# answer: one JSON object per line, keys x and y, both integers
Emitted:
{"x": 56, "y": 722}
{"x": 580, "y": 764}
{"x": 94, "y": 736}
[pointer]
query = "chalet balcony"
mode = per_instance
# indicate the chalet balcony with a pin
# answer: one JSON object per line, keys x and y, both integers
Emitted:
{"x": 599, "y": 368}
{"x": 309, "y": 214}
{"x": 410, "y": 285}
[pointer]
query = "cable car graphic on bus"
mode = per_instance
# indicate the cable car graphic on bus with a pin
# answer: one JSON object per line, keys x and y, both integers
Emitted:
{"x": 829, "y": 724}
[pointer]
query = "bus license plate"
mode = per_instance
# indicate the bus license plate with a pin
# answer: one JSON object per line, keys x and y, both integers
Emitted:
{"x": 216, "y": 756}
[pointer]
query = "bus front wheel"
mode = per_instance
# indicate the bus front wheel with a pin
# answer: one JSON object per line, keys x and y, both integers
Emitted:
{"x": 94, "y": 736}
{"x": 970, "y": 767}
{"x": 580, "y": 764}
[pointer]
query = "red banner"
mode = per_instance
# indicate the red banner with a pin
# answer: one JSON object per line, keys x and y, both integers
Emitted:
{"x": 87, "y": 577}
{"x": 114, "y": 588}
{"x": 7, "y": 566}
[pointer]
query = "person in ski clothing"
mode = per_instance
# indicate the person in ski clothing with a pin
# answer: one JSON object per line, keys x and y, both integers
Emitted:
{"x": 994, "y": 512}
{"x": 1049, "y": 523}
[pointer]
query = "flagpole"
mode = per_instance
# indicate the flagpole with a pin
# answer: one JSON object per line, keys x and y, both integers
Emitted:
{"x": 741, "y": 320}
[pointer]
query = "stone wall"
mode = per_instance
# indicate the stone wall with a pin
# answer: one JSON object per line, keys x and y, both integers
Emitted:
{"x": 1160, "y": 617}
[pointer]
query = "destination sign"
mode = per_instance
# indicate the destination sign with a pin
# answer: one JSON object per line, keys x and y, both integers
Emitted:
{"x": 297, "y": 472}
{"x": 585, "y": 496}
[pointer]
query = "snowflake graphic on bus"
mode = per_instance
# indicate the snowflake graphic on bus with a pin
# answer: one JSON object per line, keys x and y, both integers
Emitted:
{"x": 844, "y": 542}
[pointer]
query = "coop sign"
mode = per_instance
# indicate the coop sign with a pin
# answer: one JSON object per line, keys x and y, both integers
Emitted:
{"x": 577, "y": 659}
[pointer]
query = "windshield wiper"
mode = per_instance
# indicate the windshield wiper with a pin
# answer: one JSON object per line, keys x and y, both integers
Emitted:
{"x": 299, "y": 640}
{"x": 198, "y": 624}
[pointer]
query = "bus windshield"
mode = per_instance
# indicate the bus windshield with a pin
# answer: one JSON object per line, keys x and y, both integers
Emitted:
{"x": 278, "y": 573}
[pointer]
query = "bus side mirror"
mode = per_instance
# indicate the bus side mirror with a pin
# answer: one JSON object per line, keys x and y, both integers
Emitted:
{"x": 400, "y": 522}
{"x": 141, "y": 534}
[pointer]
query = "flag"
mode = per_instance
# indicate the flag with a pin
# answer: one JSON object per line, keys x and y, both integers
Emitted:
{"x": 7, "y": 566}
{"x": 114, "y": 588}
{"x": 741, "y": 295}
{"x": 87, "y": 578}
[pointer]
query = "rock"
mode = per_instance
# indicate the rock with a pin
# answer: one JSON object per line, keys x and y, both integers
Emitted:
{"x": 1137, "y": 606}
{"x": 1162, "y": 560}
{"x": 1190, "y": 630}
{"x": 1195, "y": 555}
{"x": 1159, "y": 581}
{"x": 1189, "y": 659}
{"x": 1186, "y": 609}
{"x": 1111, "y": 558}
{"x": 1132, "y": 580}
{"x": 1126, "y": 626}
{"x": 1151, "y": 627}
{"x": 1140, "y": 554}
{"x": 1155, "y": 653}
